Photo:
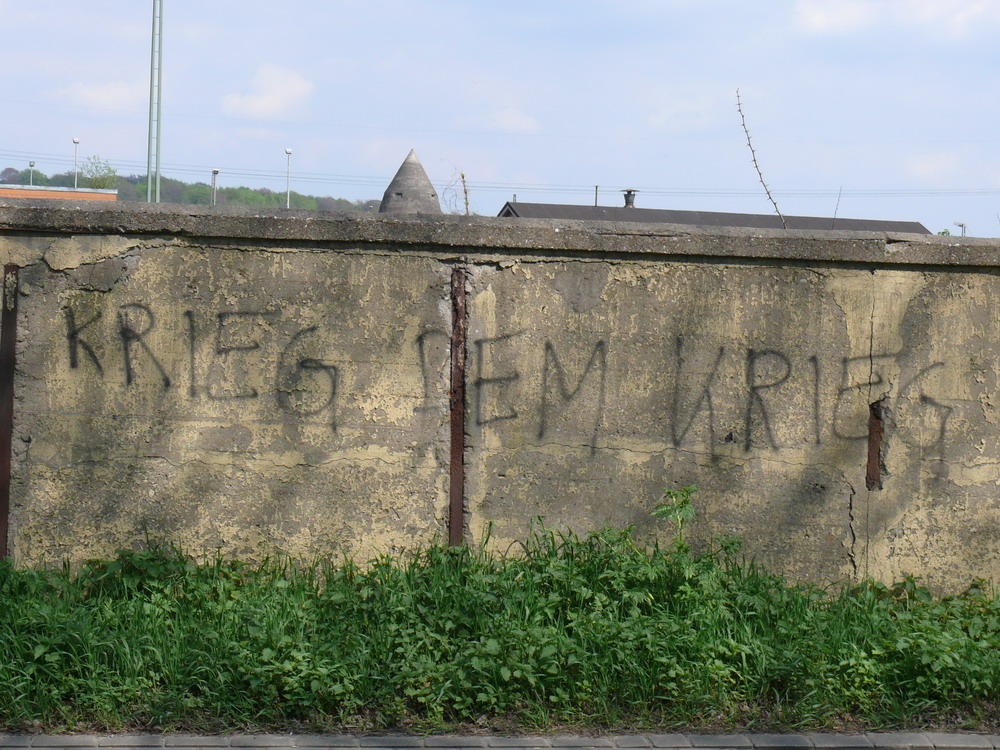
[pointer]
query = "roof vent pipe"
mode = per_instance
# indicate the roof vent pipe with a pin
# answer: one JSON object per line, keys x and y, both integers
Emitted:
{"x": 630, "y": 197}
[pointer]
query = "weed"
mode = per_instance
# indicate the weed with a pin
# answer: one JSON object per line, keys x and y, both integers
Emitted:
{"x": 679, "y": 508}
{"x": 589, "y": 631}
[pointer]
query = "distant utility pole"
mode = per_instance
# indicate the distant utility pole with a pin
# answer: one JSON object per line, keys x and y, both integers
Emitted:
{"x": 288, "y": 178}
{"x": 155, "y": 104}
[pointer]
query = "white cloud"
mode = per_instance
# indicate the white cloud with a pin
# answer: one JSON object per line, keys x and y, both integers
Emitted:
{"x": 258, "y": 134}
{"x": 686, "y": 112}
{"x": 499, "y": 119}
{"x": 933, "y": 168}
{"x": 839, "y": 16}
{"x": 276, "y": 92}
{"x": 953, "y": 18}
{"x": 114, "y": 95}
{"x": 513, "y": 120}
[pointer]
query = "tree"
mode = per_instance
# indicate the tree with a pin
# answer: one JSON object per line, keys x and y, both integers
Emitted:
{"x": 101, "y": 174}
{"x": 10, "y": 176}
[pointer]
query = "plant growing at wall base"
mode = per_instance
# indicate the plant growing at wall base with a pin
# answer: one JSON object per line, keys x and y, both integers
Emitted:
{"x": 677, "y": 506}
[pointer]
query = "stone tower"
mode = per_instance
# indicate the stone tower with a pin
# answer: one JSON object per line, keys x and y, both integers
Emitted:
{"x": 410, "y": 191}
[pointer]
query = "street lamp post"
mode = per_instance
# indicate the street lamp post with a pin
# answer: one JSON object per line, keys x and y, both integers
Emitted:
{"x": 215, "y": 173}
{"x": 31, "y": 173}
{"x": 961, "y": 226}
{"x": 76, "y": 152}
{"x": 288, "y": 179}
{"x": 155, "y": 106}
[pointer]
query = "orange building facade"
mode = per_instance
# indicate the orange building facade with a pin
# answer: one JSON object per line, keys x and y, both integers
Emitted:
{"x": 57, "y": 193}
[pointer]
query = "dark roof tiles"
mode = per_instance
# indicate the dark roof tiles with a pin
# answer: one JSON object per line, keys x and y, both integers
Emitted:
{"x": 702, "y": 218}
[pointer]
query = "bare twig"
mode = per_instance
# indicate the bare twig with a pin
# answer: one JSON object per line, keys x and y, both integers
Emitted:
{"x": 450, "y": 197}
{"x": 837, "y": 207}
{"x": 753, "y": 155}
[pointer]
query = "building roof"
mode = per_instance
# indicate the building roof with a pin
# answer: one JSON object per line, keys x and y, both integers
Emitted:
{"x": 702, "y": 218}
{"x": 410, "y": 191}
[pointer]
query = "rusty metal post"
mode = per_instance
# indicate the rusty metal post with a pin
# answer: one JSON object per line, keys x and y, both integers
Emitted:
{"x": 8, "y": 346}
{"x": 456, "y": 404}
{"x": 876, "y": 433}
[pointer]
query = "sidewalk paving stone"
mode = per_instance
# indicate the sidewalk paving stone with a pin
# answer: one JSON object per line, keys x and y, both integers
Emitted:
{"x": 720, "y": 740}
{"x": 131, "y": 740}
{"x": 395, "y": 740}
{"x": 533, "y": 742}
{"x": 326, "y": 740}
{"x": 261, "y": 740}
{"x": 15, "y": 740}
{"x": 912, "y": 740}
{"x": 631, "y": 740}
{"x": 191, "y": 740}
{"x": 961, "y": 741}
{"x": 450, "y": 740}
{"x": 64, "y": 740}
{"x": 669, "y": 740}
{"x": 578, "y": 741}
{"x": 828, "y": 740}
{"x": 780, "y": 741}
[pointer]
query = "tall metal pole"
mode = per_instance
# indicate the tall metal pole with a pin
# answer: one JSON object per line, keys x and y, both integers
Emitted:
{"x": 288, "y": 179}
{"x": 76, "y": 152}
{"x": 215, "y": 174}
{"x": 152, "y": 109}
{"x": 155, "y": 106}
{"x": 159, "y": 98}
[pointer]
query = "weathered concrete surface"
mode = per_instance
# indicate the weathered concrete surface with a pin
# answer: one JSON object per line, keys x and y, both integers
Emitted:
{"x": 604, "y": 362}
{"x": 224, "y": 398}
{"x": 595, "y": 385}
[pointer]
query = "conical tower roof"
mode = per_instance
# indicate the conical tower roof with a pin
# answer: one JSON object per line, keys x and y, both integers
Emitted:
{"x": 410, "y": 191}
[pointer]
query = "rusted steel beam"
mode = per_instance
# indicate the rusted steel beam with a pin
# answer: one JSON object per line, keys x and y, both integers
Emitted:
{"x": 8, "y": 346}
{"x": 876, "y": 432}
{"x": 456, "y": 405}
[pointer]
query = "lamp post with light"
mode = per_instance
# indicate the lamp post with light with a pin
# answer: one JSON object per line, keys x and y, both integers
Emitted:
{"x": 288, "y": 179}
{"x": 31, "y": 173}
{"x": 215, "y": 174}
{"x": 76, "y": 152}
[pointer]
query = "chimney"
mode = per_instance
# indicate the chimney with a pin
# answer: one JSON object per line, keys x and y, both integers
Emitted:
{"x": 630, "y": 197}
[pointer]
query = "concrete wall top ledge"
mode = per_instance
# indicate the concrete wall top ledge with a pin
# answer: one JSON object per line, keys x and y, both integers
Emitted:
{"x": 488, "y": 236}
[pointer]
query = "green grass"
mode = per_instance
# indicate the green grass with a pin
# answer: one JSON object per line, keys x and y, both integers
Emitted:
{"x": 583, "y": 632}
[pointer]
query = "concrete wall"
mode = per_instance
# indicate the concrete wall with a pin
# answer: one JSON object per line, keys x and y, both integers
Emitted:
{"x": 245, "y": 382}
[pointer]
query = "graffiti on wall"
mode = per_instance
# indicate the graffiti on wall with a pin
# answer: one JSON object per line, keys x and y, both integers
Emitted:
{"x": 762, "y": 387}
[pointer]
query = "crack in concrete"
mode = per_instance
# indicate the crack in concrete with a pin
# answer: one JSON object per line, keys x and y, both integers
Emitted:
{"x": 851, "y": 551}
{"x": 868, "y": 493}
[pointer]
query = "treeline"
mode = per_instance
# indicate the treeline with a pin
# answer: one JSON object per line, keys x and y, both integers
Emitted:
{"x": 133, "y": 188}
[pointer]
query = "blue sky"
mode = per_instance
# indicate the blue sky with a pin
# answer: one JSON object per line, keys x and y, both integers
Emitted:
{"x": 890, "y": 104}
